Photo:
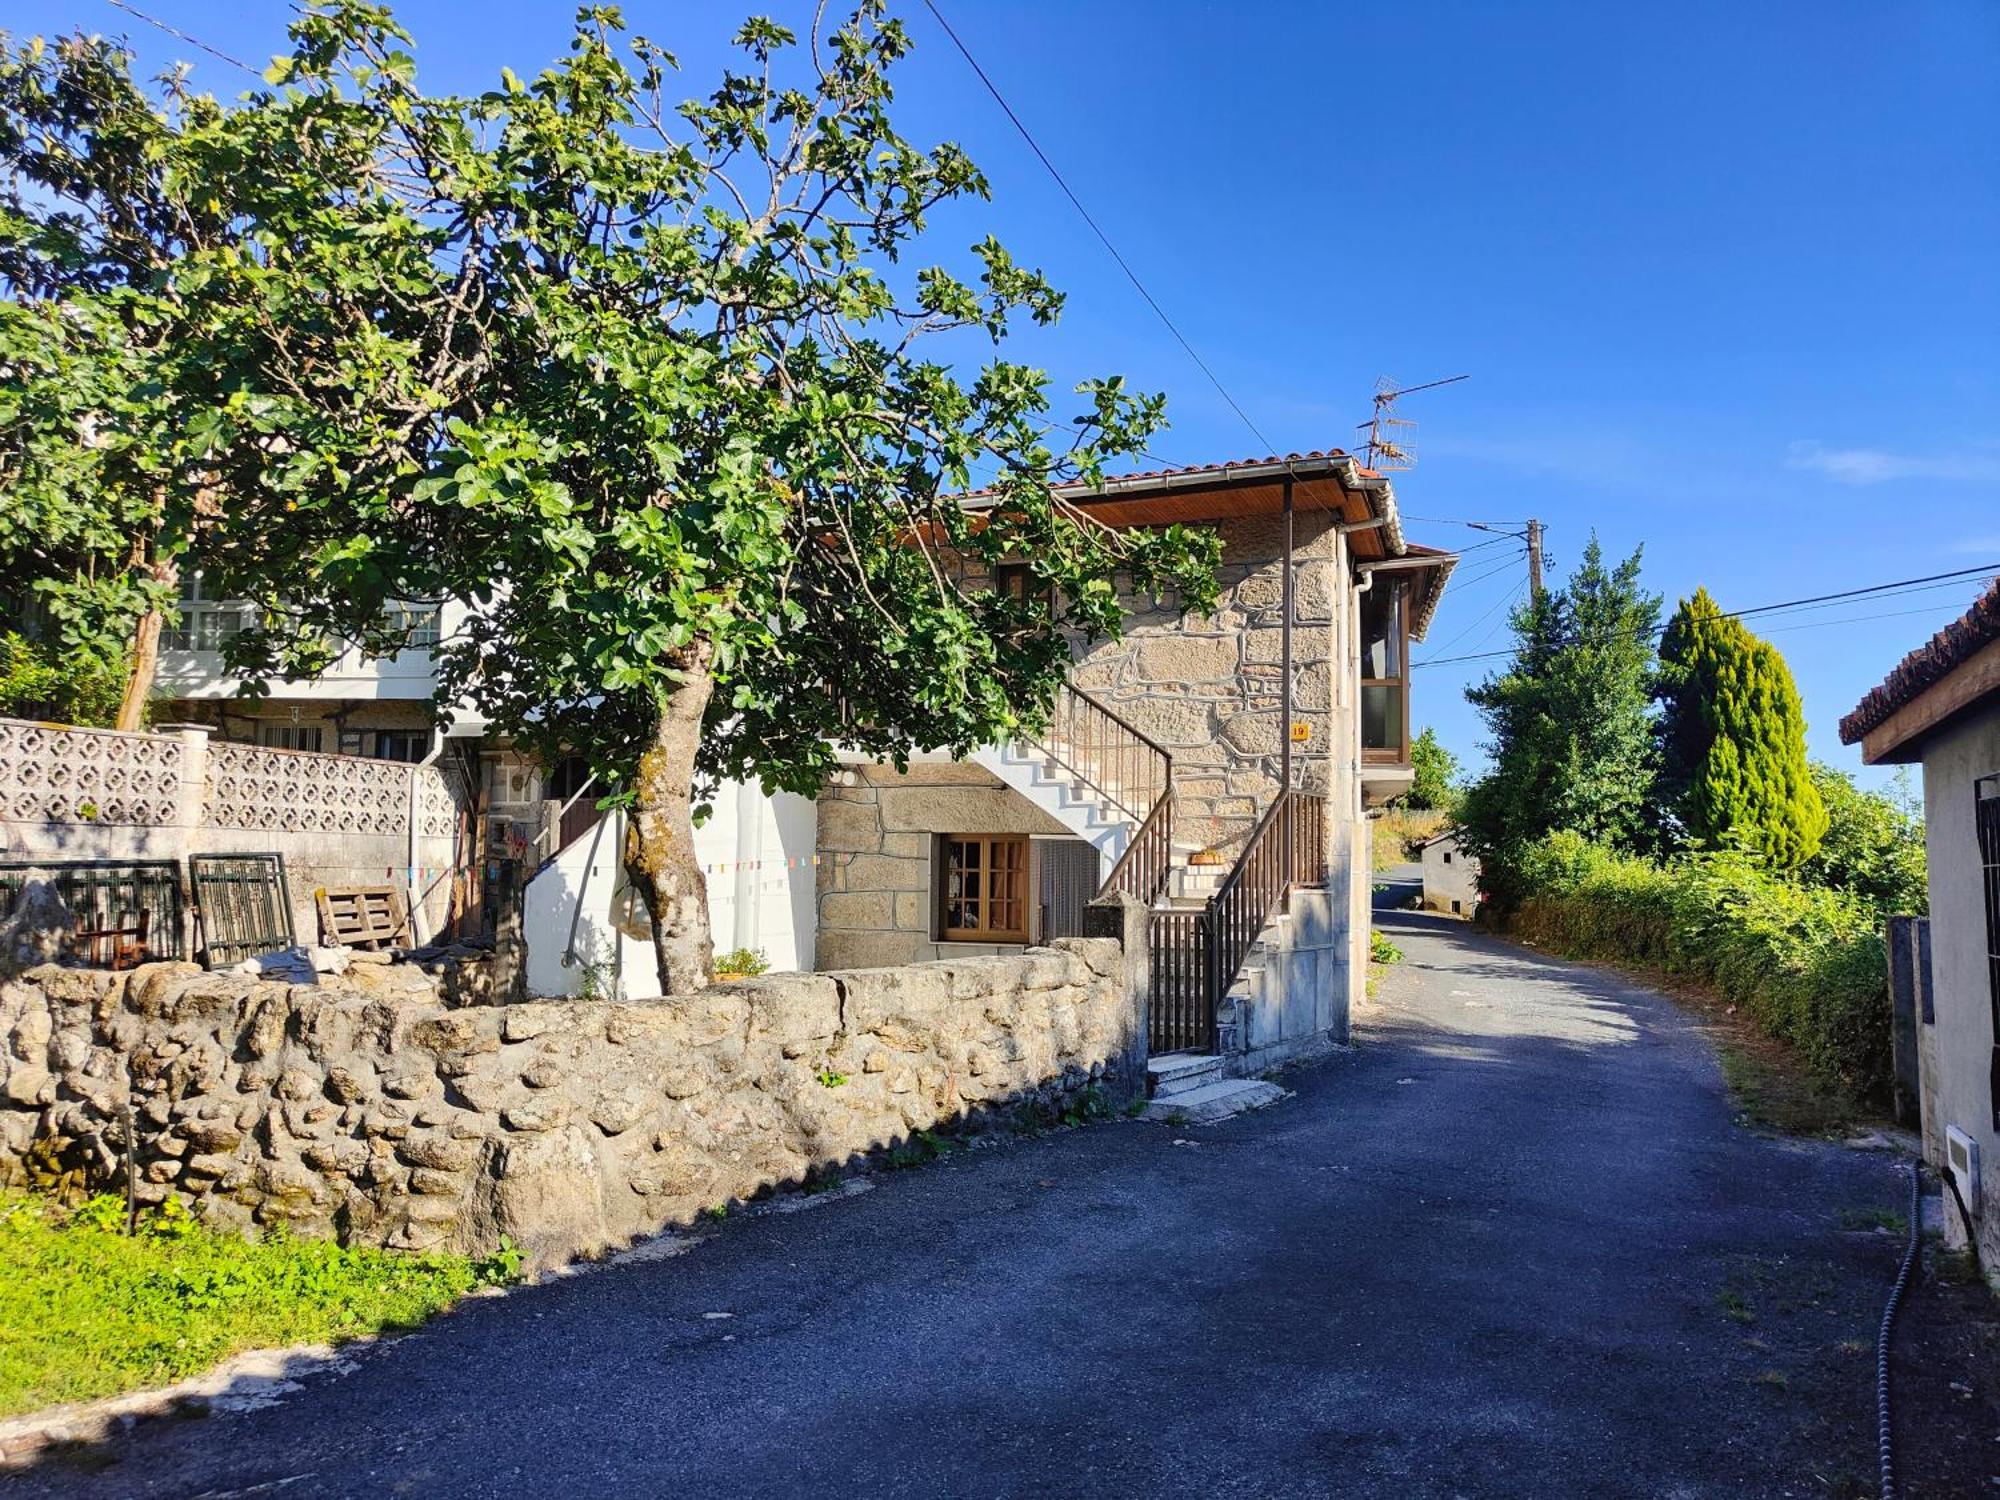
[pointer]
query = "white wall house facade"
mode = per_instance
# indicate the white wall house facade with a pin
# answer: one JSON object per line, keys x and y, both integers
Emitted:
{"x": 1940, "y": 708}
{"x": 1189, "y": 760}
{"x": 1451, "y": 876}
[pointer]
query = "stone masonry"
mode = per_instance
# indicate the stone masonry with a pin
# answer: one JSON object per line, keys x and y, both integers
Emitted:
{"x": 875, "y": 855}
{"x": 373, "y": 1111}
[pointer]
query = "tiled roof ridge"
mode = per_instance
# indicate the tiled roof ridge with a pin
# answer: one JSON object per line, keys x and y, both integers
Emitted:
{"x": 1929, "y": 664}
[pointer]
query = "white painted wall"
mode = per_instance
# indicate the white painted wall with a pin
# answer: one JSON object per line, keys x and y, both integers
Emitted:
{"x": 405, "y": 675}
{"x": 1451, "y": 878}
{"x": 757, "y": 851}
{"x": 1955, "y": 1050}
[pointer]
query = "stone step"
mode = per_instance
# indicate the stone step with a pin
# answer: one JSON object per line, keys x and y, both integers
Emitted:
{"x": 1174, "y": 1073}
{"x": 1215, "y": 1101}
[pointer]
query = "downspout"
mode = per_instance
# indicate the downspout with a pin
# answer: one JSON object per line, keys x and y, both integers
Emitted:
{"x": 1285, "y": 692}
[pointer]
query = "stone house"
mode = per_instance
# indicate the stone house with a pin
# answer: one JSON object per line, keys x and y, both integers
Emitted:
{"x": 1219, "y": 768}
{"x": 1940, "y": 708}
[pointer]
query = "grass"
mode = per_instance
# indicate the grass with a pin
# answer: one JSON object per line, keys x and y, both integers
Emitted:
{"x": 87, "y": 1311}
{"x": 1773, "y": 1087}
{"x": 1393, "y": 837}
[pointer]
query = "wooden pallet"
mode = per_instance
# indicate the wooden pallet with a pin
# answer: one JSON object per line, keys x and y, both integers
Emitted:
{"x": 369, "y": 916}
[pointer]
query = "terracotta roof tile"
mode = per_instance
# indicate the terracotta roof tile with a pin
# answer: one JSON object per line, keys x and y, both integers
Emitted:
{"x": 1927, "y": 665}
{"x": 1315, "y": 456}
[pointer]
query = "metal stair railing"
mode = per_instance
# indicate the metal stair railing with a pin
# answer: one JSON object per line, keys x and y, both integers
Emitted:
{"x": 1131, "y": 772}
{"x": 1197, "y": 954}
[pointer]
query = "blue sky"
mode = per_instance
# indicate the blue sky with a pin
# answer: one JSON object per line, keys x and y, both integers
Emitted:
{"x": 1724, "y": 276}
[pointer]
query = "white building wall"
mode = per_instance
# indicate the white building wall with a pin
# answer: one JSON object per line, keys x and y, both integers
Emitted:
{"x": 757, "y": 853}
{"x": 1955, "y": 1050}
{"x": 1451, "y": 878}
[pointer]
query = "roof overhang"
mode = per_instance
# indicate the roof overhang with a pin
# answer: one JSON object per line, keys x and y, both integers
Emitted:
{"x": 1952, "y": 673}
{"x": 1363, "y": 500}
{"x": 1899, "y": 739}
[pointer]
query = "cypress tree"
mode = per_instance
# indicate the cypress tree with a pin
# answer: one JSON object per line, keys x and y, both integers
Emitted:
{"x": 1732, "y": 734}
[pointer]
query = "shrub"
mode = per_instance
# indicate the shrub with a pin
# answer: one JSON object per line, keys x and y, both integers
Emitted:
{"x": 39, "y": 682}
{"x": 1806, "y": 962}
{"x": 743, "y": 961}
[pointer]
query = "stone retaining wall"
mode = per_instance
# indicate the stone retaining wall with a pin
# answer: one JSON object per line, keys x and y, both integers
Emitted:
{"x": 374, "y": 1112}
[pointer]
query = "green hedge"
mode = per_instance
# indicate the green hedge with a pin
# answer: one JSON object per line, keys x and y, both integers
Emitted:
{"x": 1807, "y": 963}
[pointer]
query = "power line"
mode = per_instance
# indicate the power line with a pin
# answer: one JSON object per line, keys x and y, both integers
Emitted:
{"x": 173, "y": 31}
{"x": 1906, "y": 585}
{"x": 1103, "y": 238}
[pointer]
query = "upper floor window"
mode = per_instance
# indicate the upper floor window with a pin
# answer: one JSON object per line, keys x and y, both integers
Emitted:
{"x": 1016, "y": 580}
{"x": 1385, "y": 671}
{"x": 206, "y": 624}
{"x": 418, "y": 622}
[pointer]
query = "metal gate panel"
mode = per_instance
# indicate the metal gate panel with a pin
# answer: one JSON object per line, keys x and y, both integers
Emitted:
{"x": 108, "y": 893}
{"x": 1065, "y": 880}
{"x": 243, "y": 904}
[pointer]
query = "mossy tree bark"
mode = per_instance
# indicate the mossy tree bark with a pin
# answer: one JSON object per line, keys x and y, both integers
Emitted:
{"x": 659, "y": 841}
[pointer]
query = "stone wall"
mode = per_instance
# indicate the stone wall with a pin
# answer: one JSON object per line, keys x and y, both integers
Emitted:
{"x": 1209, "y": 688}
{"x": 876, "y": 827}
{"x": 374, "y": 1112}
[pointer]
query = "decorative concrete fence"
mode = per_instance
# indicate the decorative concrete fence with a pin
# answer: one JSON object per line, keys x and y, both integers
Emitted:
{"x": 338, "y": 820}
{"x": 374, "y": 1112}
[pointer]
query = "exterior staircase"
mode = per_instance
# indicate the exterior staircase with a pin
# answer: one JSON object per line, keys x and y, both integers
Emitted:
{"x": 1221, "y": 935}
{"x": 1189, "y": 1088}
{"x": 1088, "y": 810}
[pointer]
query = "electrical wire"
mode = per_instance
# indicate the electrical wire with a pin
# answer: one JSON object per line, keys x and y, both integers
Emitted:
{"x": 1906, "y": 585}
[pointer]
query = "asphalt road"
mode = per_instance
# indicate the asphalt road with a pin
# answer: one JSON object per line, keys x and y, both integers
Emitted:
{"x": 1513, "y": 1243}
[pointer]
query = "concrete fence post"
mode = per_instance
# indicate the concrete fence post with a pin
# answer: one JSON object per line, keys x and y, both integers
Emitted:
{"x": 1125, "y": 918}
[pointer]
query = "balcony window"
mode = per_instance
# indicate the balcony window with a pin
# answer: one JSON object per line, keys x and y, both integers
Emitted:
{"x": 205, "y": 624}
{"x": 1385, "y": 668}
{"x": 418, "y": 624}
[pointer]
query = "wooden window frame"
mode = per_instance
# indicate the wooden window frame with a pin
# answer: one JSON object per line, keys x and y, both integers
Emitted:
{"x": 1399, "y": 753}
{"x": 1018, "y": 898}
{"x": 1016, "y": 580}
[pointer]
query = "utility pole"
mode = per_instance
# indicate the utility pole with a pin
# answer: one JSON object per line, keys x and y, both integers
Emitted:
{"x": 1534, "y": 560}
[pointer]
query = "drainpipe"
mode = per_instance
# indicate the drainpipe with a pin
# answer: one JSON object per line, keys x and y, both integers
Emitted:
{"x": 1285, "y": 690}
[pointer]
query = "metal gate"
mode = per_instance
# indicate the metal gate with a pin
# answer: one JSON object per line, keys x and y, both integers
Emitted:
{"x": 243, "y": 905}
{"x": 139, "y": 899}
{"x": 1066, "y": 880}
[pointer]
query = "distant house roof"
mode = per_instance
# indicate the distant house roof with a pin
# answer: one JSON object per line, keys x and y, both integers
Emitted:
{"x": 1974, "y": 634}
{"x": 1322, "y": 481}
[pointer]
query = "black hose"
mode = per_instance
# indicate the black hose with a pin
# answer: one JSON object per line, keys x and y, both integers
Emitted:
{"x": 1885, "y": 1438}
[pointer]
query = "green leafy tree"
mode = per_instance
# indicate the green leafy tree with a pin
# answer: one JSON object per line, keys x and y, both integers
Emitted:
{"x": 1434, "y": 774}
{"x": 1569, "y": 719}
{"x": 661, "y": 391}
{"x": 1874, "y": 845}
{"x": 86, "y": 427}
{"x": 1732, "y": 736}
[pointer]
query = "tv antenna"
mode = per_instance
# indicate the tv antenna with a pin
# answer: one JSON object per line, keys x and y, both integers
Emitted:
{"x": 1388, "y": 448}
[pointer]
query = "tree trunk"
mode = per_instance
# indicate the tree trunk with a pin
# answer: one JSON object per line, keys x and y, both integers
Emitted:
{"x": 659, "y": 841}
{"x": 145, "y": 665}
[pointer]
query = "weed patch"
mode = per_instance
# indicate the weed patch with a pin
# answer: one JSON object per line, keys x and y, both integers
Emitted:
{"x": 88, "y": 1311}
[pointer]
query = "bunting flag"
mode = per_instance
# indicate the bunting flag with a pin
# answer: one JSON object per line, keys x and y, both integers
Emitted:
{"x": 731, "y": 866}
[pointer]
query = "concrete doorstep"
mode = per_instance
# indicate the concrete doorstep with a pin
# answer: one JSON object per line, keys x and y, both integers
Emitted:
{"x": 1216, "y": 1101}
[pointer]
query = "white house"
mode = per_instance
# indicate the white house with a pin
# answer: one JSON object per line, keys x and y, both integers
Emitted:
{"x": 1940, "y": 707}
{"x": 1451, "y": 876}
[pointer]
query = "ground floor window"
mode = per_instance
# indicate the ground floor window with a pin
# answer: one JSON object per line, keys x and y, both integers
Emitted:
{"x": 386, "y": 744}
{"x": 982, "y": 887}
{"x": 289, "y": 736}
